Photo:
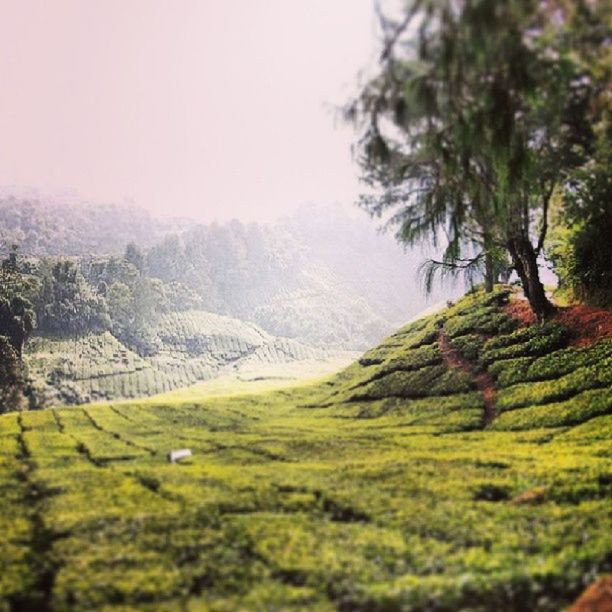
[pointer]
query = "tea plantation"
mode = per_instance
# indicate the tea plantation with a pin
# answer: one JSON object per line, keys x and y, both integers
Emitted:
{"x": 394, "y": 485}
{"x": 192, "y": 346}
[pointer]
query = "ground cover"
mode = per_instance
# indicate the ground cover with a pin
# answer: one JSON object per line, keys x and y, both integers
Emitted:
{"x": 381, "y": 488}
{"x": 193, "y": 346}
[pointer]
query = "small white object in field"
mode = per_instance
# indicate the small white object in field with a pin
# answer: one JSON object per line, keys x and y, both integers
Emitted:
{"x": 181, "y": 453}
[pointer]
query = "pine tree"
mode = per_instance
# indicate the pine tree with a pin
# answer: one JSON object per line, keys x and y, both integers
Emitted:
{"x": 463, "y": 131}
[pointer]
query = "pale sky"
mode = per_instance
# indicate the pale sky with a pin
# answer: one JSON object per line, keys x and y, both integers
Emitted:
{"x": 205, "y": 108}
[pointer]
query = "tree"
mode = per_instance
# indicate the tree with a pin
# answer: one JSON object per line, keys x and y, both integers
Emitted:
{"x": 134, "y": 255}
{"x": 134, "y": 312}
{"x": 582, "y": 226}
{"x": 17, "y": 321}
{"x": 166, "y": 260}
{"x": 17, "y": 317}
{"x": 11, "y": 377}
{"x": 68, "y": 304}
{"x": 580, "y": 245}
{"x": 121, "y": 308}
{"x": 464, "y": 130}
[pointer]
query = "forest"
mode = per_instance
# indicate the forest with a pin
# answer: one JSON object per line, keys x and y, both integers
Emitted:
{"x": 322, "y": 291}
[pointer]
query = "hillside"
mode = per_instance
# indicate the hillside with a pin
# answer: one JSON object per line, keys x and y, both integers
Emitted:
{"x": 461, "y": 464}
{"x": 44, "y": 225}
{"x": 320, "y": 276}
{"x": 192, "y": 346}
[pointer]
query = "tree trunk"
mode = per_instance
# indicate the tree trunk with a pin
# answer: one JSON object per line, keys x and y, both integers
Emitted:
{"x": 525, "y": 262}
{"x": 489, "y": 272}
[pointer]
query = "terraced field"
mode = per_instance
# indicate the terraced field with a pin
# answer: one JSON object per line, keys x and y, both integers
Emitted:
{"x": 386, "y": 487}
{"x": 193, "y": 346}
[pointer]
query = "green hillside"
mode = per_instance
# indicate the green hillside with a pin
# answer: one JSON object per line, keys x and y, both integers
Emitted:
{"x": 193, "y": 346}
{"x": 462, "y": 464}
{"x": 319, "y": 276}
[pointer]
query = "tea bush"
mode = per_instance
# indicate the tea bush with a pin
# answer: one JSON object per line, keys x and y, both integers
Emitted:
{"x": 381, "y": 488}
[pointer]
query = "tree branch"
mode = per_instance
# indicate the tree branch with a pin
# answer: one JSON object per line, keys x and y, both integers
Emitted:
{"x": 546, "y": 197}
{"x": 459, "y": 263}
{"x": 399, "y": 30}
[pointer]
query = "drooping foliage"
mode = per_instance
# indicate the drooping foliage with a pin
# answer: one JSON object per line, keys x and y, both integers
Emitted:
{"x": 473, "y": 119}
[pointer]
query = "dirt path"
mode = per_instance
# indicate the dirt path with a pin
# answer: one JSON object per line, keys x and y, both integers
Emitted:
{"x": 484, "y": 381}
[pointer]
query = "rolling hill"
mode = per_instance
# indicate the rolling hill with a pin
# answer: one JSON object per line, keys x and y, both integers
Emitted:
{"x": 320, "y": 276}
{"x": 464, "y": 463}
{"x": 194, "y": 346}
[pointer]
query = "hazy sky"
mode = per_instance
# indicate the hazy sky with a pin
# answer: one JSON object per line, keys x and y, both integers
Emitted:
{"x": 205, "y": 108}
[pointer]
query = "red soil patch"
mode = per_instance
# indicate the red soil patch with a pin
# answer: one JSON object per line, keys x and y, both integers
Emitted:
{"x": 586, "y": 325}
{"x": 519, "y": 310}
{"x": 596, "y": 598}
{"x": 484, "y": 381}
{"x": 531, "y": 497}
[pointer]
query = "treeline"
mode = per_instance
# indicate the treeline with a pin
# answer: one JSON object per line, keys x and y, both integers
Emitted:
{"x": 257, "y": 273}
{"x": 72, "y": 297}
{"x": 319, "y": 275}
{"x": 47, "y": 227}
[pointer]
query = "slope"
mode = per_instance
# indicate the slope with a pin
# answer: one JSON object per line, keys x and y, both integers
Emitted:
{"x": 320, "y": 276}
{"x": 383, "y": 488}
{"x": 193, "y": 346}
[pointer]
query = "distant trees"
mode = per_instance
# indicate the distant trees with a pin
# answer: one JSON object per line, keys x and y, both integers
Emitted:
{"x": 475, "y": 117}
{"x": 17, "y": 321}
{"x": 120, "y": 306}
{"x": 67, "y": 303}
{"x": 166, "y": 259}
{"x": 134, "y": 256}
{"x": 11, "y": 377}
{"x": 48, "y": 228}
{"x": 134, "y": 311}
{"x": 17, "y": 317}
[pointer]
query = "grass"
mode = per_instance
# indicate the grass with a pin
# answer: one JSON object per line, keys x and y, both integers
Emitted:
{"x": 377, "y": 489}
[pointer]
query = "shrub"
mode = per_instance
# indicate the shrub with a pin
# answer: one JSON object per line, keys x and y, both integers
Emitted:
{"x": 431, "y": 380}
{"x": 469, "y": 346}
{"x": 484, "y": 320}
{"x": 552, "y": 365}
{"x": 532, "y": 341}
{"x": 526, "y": 394}
{"x": 578, "y": 409}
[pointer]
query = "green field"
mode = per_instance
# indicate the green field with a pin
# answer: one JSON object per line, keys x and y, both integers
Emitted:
{"x": 382, "y": 488}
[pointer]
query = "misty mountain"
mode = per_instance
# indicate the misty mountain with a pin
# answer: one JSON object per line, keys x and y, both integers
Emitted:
{"x": 69, "y": 227}
{"x": 320, "y": 276}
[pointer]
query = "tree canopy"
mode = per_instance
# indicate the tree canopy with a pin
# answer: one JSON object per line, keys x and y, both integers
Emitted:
{"x": 478, "y": 112}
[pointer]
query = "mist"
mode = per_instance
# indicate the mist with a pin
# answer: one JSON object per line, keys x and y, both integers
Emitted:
{"x": 211, "y": 110}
